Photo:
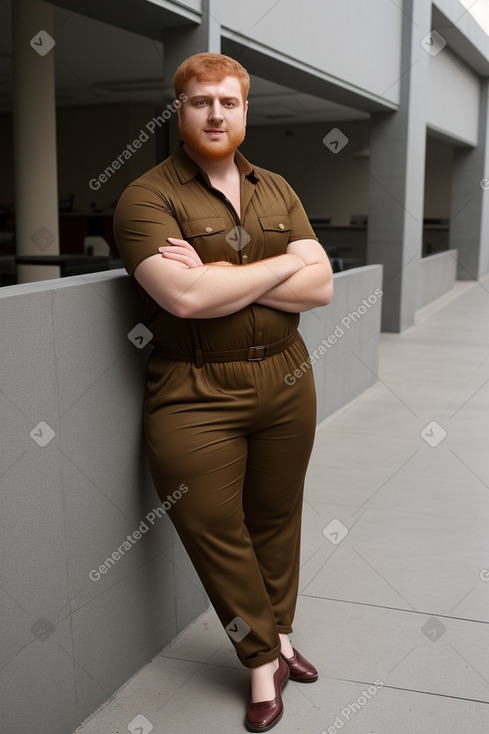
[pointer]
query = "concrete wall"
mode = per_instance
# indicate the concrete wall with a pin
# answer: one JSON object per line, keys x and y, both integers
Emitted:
{"x": 437, "y": 275}
{"x": 76, "y": 487}
{"x": 348, "y": 330}
{"x": 195, "y": 5}
{"x": 354, "y": 49}
{"x": 69, "y": 641}
{"x": 453, "y": 98}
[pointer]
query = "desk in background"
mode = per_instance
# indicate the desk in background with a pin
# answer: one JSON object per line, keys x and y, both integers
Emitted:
{"x": 72, "y": 264}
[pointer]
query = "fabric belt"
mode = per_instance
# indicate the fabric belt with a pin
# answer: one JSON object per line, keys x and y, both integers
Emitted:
{"x": 249, "y": 354}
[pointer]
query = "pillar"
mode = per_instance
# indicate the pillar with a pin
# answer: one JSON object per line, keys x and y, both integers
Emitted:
{"x": 180, "y": 43}
{"x": 469, "y": 209}
{"x": 396, "y": 175}
{"x": 34, "y": 122}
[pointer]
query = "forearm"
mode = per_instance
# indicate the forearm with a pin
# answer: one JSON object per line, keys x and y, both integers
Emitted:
{"x": 209, "y": 291}
{"x": 306, "y": 289}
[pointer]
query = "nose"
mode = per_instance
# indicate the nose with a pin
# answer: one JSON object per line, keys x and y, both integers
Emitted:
{"x": 215, "y": 112}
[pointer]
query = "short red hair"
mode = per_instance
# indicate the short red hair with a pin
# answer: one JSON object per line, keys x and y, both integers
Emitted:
{"x": 210, "y": 67}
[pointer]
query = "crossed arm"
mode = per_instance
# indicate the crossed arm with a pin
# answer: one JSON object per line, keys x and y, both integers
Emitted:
{"x": 178, "y": 281}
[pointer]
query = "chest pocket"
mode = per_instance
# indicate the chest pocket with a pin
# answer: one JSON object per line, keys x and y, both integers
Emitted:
{"x": 207, "y": 237}
{"x": 276, "y": 232}
{"x": 203, "y": 227}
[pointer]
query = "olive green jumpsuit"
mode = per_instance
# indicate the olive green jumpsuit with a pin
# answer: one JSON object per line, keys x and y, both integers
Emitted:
{"x": 218, "y": 414}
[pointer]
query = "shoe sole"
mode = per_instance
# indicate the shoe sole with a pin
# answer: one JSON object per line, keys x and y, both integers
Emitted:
{"x": 270, "y": 726}
{"x": 264, "y": 728}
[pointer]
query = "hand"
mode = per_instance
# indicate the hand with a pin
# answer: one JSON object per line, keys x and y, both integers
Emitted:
{"x": 181, "y": 251}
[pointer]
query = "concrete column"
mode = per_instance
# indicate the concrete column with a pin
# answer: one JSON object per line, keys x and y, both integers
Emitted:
{"x": 180, "y": 43}
{"x": 469, "y": 208}
{"x": 34, "y": 121}
{"x": 396, "y": 170}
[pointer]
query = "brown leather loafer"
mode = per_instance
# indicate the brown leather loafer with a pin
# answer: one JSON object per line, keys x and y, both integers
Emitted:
{"x": 301, "y": 670}
{"x": 263, "y": 715}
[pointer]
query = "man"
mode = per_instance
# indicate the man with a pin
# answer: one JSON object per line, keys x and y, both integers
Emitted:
{"x": 225, "y": 259}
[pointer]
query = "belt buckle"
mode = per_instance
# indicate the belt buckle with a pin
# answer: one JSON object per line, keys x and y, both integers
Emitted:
{"x": 252, "y": 350}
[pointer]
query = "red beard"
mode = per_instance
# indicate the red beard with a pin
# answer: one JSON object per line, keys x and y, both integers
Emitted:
{"x": 216, "y": 150}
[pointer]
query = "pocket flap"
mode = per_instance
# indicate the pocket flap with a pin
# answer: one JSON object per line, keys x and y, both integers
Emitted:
{"x": 276, "y": 222}
{"x": 202, "y": 227}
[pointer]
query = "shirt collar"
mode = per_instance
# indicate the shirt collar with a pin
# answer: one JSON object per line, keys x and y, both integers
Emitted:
{"x": 187, "y": 168}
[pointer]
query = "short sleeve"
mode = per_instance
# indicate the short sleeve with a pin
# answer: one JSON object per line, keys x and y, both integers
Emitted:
{"x": 300, "y": 227}
{"x": 142, "y": 223}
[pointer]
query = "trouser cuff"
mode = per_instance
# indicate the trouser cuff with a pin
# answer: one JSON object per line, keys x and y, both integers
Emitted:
{"x": 263, "y": 658}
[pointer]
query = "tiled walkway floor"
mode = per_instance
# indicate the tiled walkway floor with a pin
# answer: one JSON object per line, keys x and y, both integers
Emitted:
{"x": 394, "y": 594}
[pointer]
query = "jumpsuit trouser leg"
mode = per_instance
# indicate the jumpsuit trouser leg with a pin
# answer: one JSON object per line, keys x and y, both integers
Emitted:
{"x": 240, "y": 438}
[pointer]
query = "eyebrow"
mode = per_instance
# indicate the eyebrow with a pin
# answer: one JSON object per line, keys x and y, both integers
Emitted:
{"x": 208, "y": 96}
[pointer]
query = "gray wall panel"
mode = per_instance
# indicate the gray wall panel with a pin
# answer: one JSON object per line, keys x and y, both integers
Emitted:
{"x": 37, "y": 686}
{"x": 437, "y": 275}
{"x": 66, "y": 506}
{"x": 349, "y": 365}
{"x": 70, "y": 504}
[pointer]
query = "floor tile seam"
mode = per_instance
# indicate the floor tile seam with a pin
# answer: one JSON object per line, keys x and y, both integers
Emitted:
{"x": 336, "y": 465}
{"x": 358, "y": 503}
{"x": 186, "y": 629}
{"x": 201, "y": 663}
{"x": 412, "y": 391}
{"x": 401, "y": 510}
{"x": 114, "y": 699}
{"x": 124, "y": 689}
{"x": 370, "y": 605}
{"x": 352, "y": 427}
{"x": 368, "y": 395}
{"x": 179, "y": 688}
{"x": 406, "y": 690}
{"x": 411, "y": 376}
{"x": 346, "y": 407}
{"x": 395, "y": 512}
{"x": 459, "y": 289}
{"x": 321, "y": 677}
{"x": 401, "y": 363}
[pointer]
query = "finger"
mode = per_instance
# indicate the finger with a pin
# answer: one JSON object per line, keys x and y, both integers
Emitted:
{"x": 177, "y": 250}
{"x": 179, "y": 243}
{"x": 190, "y": 254}
{"x": 175, "y": 254}
{"x": 181, "y": 257}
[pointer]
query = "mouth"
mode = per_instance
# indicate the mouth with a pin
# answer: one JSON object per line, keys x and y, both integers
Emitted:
{"x": 214, "y": 133}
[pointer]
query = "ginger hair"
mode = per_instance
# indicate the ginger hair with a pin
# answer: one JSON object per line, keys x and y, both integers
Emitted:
{"x": 210, "y": 67}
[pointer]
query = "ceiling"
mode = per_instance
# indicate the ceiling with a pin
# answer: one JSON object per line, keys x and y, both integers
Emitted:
{"x": 98, "y": 64}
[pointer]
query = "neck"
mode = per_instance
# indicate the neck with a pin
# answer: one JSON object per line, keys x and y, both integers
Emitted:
{"x": 214, "y": 169}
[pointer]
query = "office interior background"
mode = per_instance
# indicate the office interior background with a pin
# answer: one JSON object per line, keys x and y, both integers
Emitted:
{"x": 375, "y": 112}
{"x": 360, "y": 74}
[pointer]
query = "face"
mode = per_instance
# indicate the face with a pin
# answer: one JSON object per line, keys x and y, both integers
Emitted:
{"x": 212, "y": 122}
